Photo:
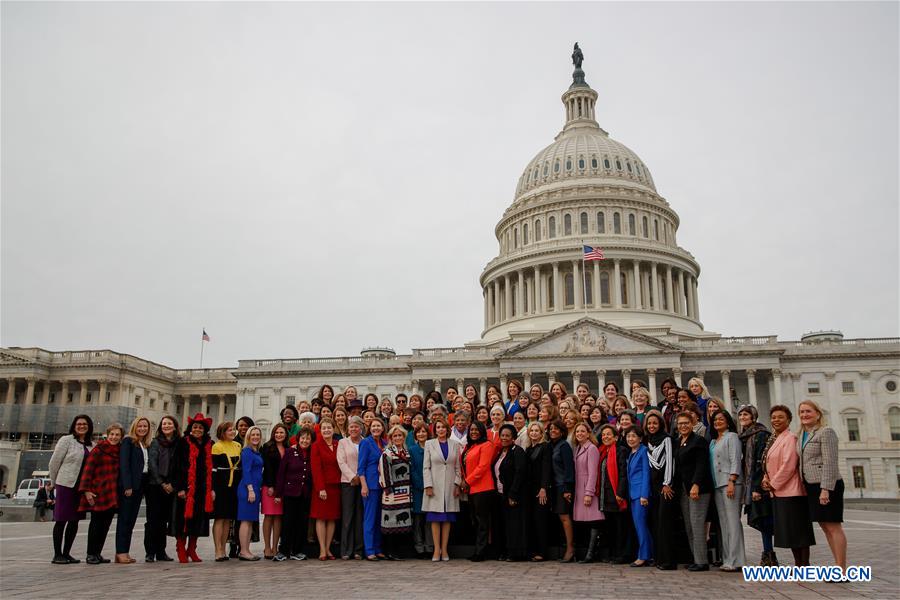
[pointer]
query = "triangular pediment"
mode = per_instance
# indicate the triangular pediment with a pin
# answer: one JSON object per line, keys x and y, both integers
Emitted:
{"x": 588, "y": 336}
{"x": 8, "y": 358}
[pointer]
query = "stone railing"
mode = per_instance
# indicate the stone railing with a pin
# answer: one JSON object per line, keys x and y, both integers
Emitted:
{"x": 862, "y": 342}
{"x": 327, "y": 362}
{"x": 202, "y": 375}
{"x": 457, "y": 352}
{"x": 761, "y": 340}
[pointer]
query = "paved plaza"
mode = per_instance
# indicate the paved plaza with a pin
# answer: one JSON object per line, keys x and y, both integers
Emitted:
{"x": 26, "y": 572}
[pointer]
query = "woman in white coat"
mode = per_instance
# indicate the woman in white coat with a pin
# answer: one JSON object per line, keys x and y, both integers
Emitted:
{"x": 441, "y": 477}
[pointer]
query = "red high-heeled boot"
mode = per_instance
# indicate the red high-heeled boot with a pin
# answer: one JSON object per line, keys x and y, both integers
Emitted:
{"x": 192, "y": 549}
{"x": 179, "y": 549}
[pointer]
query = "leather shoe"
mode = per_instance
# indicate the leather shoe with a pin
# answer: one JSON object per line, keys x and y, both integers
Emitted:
{"x": 71, "y": 560}
{"x": 92, "y": 560}
{"x": 164, "y": 557}
{"x": 105, "y": 561}
{"x": 149, "y": 558}
{"x": 695, "y": 568}
{"x": 59, "y": 559}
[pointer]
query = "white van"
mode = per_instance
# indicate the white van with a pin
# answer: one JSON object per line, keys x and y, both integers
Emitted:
{"x": 28, "y": 488}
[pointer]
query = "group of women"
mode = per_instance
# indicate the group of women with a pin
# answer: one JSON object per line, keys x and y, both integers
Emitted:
{"x": 380, "y": 479}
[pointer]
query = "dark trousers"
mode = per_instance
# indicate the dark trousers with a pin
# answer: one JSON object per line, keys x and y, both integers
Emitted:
{"x": 422, "y": 538}
{"x": 129, "y": 507}
{"x": 514, "y": 528}
{"x": 159, "y": 512}
{"x": 620, "y": 536}
{"x": 663, "y": 517}
{"x": 537, "y": 519}
{"x": 481, "y": 511}
{"x": 98, "y": 529}
{"x": 294, "y": 522}
{"x": 351, "y": 520}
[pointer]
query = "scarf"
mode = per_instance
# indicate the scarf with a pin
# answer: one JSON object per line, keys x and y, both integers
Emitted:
{"x": 660, "y": 455}
{"x": 612, "y": 471}
{"x": 166, "y": 450}
{"x": 194, "y": 454}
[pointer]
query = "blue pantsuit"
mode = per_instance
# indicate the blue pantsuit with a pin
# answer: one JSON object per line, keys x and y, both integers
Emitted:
{"x": 639, "y": 487}
{"x": 372, "y": 522}
{"x": 639, "y": 515}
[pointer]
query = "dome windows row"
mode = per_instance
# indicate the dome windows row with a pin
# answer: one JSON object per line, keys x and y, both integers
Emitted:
{"x": 632, "y": 224}
{"x": 583, "y": 165}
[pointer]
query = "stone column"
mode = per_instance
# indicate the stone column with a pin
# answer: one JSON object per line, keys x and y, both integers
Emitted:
{"x": 45, "y": 392}
{"x": 29, "y": 391}
{"x": 626, "y": 382}
{"x": 696, "y": 298}
{"x": 507, "y": 298}
{"x": 726, "y": 387}
{"x": 526, "y": 381}
{"x": 596, "y": 284}
{"x": 220, "y": 417}
{"x": 482, "y": 391}
{"x": 776, "y": 383}
{"x": 104, "y": 383}
{"x": 577, "y": 285}
{"x": 636, "y": 299}
{"x": 557, "y": 301}
{"x": 676, "y": 375}
{"x": 487, "y": 321}
{"x": 751, "y": 386}
{"x": 83, "y": 398}
{"x": 520, "y": 297}
{"x": 873, "y": 420}
{"x": 185, "y": 412}
{"x": 496, "y": 298}
{"x": 504, "y": 377}
{"x": 796, "y": 392}
{"x": 670, "y": 298}
{"x": 536, "y": 289}
{"x": 617, "y": 284}
{"x": 700, "y": 375}
{"x": 831, "y": 396}
{"x": 551, "y": 379}
{"x": 679, "y": 299}
{"x": 414, "y": 386}
{"x": 576, "y": 379}
{"x": 657, "y": 305}
{"x": 601, "y": 382}
{"x": 690, "y": 296}
{"x": 11, "y": 390}
{"x": 651, "y": 381}
{"x": 64, "y": 392}
{"x": 461, "y": 386}
{"x": 437, "y": 386}
{"x": 204, "y": 404}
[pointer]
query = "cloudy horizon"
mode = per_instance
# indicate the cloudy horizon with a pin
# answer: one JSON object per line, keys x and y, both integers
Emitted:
{"x": 308, "y": 179}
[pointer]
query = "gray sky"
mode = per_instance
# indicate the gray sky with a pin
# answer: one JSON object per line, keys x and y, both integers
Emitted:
{"x": 308, "y": 179}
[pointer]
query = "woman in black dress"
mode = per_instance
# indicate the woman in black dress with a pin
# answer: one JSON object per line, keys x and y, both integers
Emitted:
{"x": 538, "y": 487}
{"x": 563, "y": 461}
{"x": 663, "y": 503}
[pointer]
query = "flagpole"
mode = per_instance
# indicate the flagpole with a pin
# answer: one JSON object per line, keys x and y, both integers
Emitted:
{"x": 201, "y": 349}
{"x": 583, "y": 280}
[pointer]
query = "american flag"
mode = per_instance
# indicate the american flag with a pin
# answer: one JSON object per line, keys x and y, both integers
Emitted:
{"x": 593, "y": 253}
{"x": 205, "y": 337}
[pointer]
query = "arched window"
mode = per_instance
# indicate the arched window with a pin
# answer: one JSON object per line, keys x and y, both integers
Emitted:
{"x": 605, "y": 163}
{"x": 601, "y": 223}
{"x": 631, "y": 225}
{"x": 515, "y": 238}
{"x": 617, "y": 223}
{"x": 537, "y": 230}
{"x": 663, "y": 298}
{"x": 894, "y": 422}
{"x": 546, "y": 169}
{"x": 623, "y": 285}
{"x": 567, "y": 224}
{"x": 551, "y": 227}
{"x": 524, "y": 234}
{"x": 618, "y": 164}
{"x": 589, "y": 288}
{"x": 594, "y": 162}
{"x": 515, "y": 294}
{"x": 644, "y": 228}
{"x": 570, "y": 290}
{"x": 556, "y": 166}
{"x": 581, "y": 163}
{"x": 638, "y": 167}
{"x": 604, "y": 287}
{"x": 568, "y": 164}
{"x": 584, "y": 222}
{"x": 628, "y": 166}
{"x": 656, "y": 229}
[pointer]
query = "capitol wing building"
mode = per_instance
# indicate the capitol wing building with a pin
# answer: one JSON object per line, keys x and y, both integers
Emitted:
{"x": 548, "y": 316}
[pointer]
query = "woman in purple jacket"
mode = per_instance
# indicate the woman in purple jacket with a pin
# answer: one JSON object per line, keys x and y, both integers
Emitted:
{"x": 293, "y": 486}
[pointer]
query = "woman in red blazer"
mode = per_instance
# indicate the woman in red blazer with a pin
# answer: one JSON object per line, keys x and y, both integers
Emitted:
{"x": 478, "y": 482}
{"x": 326, "y": 479}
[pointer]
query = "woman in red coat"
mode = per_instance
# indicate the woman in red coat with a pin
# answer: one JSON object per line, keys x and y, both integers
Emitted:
{"x": 99, "y": 494}
{"x": 326, "y": 479}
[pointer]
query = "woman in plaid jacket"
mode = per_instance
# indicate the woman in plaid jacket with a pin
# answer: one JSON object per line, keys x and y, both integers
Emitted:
{"x": 99, "y": 494}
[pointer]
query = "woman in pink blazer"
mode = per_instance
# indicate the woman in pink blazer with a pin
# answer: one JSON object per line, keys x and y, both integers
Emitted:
{"x": 793, "y": 527}
{"x": 585, "y": 504}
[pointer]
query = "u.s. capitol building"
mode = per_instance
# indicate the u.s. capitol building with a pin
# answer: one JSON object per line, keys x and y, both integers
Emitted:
{"x": 547, "y": 317}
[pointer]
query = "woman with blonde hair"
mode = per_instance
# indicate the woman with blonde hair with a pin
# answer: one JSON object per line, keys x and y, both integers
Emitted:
{"x": 394, "y": 477}
{"x": 249, "y": 492}
{"x": 701, "y": 396}
{"x": 818, "y": 449}
{"x": 133, "y": 478}
{"x": 640, "y": 397}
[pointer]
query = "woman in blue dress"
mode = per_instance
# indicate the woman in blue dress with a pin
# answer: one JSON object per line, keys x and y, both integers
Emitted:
{"x": 249, "y": 492}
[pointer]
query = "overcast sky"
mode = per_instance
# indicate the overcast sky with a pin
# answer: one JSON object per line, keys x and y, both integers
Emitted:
{"x": 309, "y": 179}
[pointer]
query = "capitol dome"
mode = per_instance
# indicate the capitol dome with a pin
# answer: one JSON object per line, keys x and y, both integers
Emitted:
{"x": 586, "y": 189}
